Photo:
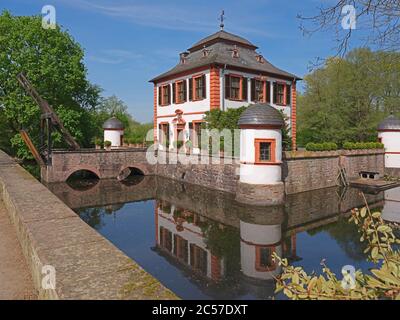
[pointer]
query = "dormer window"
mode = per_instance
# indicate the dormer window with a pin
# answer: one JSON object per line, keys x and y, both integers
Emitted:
{"x": 260, "y": 58}
{"x": 235, "y": 52}
{"x": 205, "y": 52}
{"x": 183, "y": 57}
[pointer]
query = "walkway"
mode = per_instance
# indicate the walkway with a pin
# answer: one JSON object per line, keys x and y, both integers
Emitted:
{"x": 15, "y": 278}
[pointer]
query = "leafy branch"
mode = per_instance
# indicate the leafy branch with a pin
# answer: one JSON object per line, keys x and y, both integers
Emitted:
{"x": 382, "y": 282}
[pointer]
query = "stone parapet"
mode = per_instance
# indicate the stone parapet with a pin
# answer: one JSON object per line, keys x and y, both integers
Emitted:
{"x": 87, "y": 266}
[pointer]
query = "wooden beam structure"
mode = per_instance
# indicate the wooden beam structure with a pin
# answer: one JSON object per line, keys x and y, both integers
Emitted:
{"x": 32, "y": 148}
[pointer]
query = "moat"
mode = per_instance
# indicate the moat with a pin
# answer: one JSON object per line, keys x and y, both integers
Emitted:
{"x": 202, "y": 244}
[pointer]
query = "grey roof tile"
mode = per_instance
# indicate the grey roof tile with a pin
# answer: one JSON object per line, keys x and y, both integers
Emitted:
{"x": 220, "y": 53}
{"x": 261, "y": 114}
{"x": 390, "y": 123}
{"x": 113, "y": 123}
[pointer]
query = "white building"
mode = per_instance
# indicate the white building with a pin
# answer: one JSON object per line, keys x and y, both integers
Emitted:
{"x": 220, "y": 71}
{"x": 114, "y": 132}
{"x": 389, "y": 135}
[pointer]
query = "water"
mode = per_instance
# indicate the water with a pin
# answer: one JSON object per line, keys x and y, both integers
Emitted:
{"x": 202, "y": 244}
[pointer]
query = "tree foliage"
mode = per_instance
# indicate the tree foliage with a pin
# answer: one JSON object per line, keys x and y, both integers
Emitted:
{"x": 346, "y": 98}
{"x": 53, "y": 62}
{"x": 383, "y": 281}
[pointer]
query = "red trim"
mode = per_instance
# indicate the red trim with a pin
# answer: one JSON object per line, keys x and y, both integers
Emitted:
{"x": 163, "y": 104}
{"x": 262, "y": 163}
{"x": 256, "y": 72}
{"x": 257, "y": 143}
{"x": 388, "y": 130}
{"x": 258, "y": 259}
{"x": 294, "y": 117}
{"x": 233, "y": 75}
{"x": 155, "y": 126}
{"x": 392, "y": 152}
{"x": 284, "y": 93}
{"x": 215, "y": 89}
{"x": 177, "y": 83}
{"x": 186, "y": 114}
{"x": 181, "y": 74}
{"x": 195, "y": 77}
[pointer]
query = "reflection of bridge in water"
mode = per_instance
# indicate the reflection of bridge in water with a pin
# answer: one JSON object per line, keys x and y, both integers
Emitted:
{"x": 214, "y": 240}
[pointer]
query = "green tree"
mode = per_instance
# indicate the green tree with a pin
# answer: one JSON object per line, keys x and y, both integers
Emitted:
{"x": 347, "y": 98}
{"x": 53, "y": 62}
{"x": 113, "y": 107}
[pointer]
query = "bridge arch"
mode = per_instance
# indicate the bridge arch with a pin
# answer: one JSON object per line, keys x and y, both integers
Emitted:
{"x": 76, "y": 169}
{"x": 138, "y": 167}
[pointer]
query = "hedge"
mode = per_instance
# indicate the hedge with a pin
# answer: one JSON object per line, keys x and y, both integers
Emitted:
{"x": 325, "y": 146}
{"x": 362, "y": 145}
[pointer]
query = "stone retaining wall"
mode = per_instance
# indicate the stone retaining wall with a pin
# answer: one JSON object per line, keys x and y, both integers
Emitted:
{"x": 304, "y": 171}
{"x": 87, "y": 265}
{"x": 207, "y": 171}
{"x": 301, "y": 171}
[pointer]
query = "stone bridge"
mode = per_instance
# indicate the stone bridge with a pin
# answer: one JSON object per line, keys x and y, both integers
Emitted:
{"x": 105, "y": 164}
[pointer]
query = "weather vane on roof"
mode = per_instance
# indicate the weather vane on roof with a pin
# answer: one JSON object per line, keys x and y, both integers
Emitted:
{"x": 222, "y": 18}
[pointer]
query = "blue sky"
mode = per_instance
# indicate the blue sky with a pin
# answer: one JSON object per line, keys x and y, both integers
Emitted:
{"x": 128, "y": 42}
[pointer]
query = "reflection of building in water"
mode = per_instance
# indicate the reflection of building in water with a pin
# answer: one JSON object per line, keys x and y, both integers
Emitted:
{"x": 391, "y": 208}
{"x": 179, "y": 234}
{"x": 207, "y": 248}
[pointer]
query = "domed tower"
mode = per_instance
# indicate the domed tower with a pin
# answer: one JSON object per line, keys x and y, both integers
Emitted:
{"x": 389, "y": 135}
{"x": 260, "y": 180}
{"x": 114, "y": 131}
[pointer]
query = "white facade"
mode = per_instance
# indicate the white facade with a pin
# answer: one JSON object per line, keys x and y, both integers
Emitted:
{"x": 115, "y": 136}
{"x": 255, "y": 237}
{"x": 391, "y": 140}
{"x": 195, "y": 110}
{"x": 252, "y": 173}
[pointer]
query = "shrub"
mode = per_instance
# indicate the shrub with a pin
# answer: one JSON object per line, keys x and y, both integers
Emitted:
{"x": 107, "y": 143}
{"x": 98, "y": 141}
{"x": 325, "y": 146}
{"x": 362, "y": 145}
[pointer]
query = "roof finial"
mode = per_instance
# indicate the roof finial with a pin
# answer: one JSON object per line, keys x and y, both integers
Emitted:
{"x": 222, "y": 20}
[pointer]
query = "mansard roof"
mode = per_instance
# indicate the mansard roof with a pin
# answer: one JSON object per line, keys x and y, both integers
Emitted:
{"x": 222, "y": 36}
{"x": 219, "y": 47}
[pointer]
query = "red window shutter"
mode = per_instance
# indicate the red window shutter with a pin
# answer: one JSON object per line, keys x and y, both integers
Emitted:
{"x": 169, "y": 94}
{"x": 184, "y": 90}
{"x": 174, "y": 92}
{"x": 159, "y": 96}
{"x": 253, "y": 89}
{"x": 274, "y": 93}
{"x": 244, "y": 88}
{"x": 288, "y": 93}
{"x": 268, "y": 91}
{"x": 203, "y": 80}
{"x": 190, "y": 89}
{"x": 227, "y": 87}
